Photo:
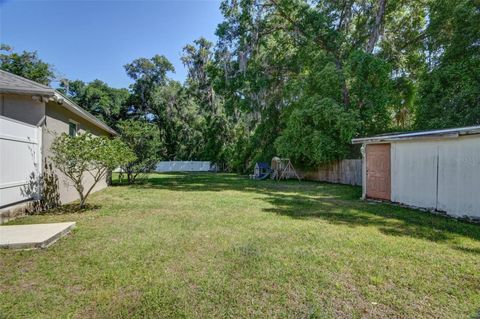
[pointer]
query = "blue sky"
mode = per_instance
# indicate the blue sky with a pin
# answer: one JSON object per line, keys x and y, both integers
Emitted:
{"x": 93, "y": 39}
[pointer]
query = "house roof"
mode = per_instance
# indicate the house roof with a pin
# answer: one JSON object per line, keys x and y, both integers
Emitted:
{"x": 14, "y": 84}
{"x": 11, "y": 83}
{"x": 389, "y": 137}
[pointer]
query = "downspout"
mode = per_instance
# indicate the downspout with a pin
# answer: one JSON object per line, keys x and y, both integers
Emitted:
{"x": 438, "y": 164}
{"x": 1, "y": 103}
{"x": 364, "y": 171}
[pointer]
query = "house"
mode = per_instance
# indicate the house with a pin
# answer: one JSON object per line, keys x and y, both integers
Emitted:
{"x": 31, "y": 116}
{"x": 437, "y": 170}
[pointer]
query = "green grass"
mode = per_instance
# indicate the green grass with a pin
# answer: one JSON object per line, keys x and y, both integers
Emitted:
{"x": 222, "y": 246}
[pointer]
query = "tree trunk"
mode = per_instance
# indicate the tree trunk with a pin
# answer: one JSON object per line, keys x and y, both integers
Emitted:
{"x": 345, "y": 90}
{"x": 129, "y": 177}
{"x": 79, "y": 188}
{"x": 82, "y": 201}
{"x": 377, "y": 26}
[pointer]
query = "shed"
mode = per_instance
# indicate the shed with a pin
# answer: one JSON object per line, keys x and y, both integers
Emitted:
{"x": 438, "y": 170}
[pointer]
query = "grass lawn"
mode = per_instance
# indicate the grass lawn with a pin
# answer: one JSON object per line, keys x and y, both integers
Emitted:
{"x": 222, "y": 246}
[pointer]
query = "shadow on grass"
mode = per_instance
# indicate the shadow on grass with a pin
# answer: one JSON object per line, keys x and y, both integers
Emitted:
{"x": 336, "y": 204}
{"x": 211, "y": 182}
{"x": 389, "y": 219}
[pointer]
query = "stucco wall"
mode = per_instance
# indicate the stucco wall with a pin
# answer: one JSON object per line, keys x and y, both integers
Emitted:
{"x": 57, "y": 122}
{"x": 441, "y": 174}
{"x": 22, "y": 108}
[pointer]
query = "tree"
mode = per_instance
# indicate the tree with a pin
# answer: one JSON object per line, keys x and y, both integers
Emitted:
{"x": 450, "y": 89}
{"x": 169, "y": 105}
{"x": 143, "y": 139}
{"x": 26, "y": 64}
{"x": 216, "y": 130}
{"x": 147, "y": 74}
{"x": 318, "y": 132}
{"x": 108, "y": 104}
{"x": 177, "y": 118}
{"x": 77, "y": 156}
{"x": 282, "y": 70}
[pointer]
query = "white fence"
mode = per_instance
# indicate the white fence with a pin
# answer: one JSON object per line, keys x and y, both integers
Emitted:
{"x": 184, "y": 166}
{"x": 20, "y": 160}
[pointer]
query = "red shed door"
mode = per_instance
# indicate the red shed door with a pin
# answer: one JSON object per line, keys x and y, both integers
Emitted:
{"x": 378, "y": 171}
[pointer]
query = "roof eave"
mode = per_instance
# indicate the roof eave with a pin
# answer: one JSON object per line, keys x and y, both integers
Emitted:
{"x": 48, "y": 93}
{"x": 402, "y": 138}
{"x": 446, "y": 133}
{"x": 71, "y": 106}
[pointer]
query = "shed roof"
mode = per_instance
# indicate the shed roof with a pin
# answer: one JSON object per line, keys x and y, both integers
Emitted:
{"x": 390, "y": 137}
{"x": 11, "y": 83}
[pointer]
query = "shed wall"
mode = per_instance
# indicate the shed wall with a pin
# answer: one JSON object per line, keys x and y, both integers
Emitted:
{"x": 441, "y": 174}
{"x": 459, "y": 177}
{"x": 414, "y": 173}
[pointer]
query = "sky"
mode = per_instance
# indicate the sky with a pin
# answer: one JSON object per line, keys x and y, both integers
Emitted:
{"x": 90, "y": 40}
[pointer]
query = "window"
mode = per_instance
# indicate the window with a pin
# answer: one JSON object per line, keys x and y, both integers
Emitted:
{"x": 72, "y": 128}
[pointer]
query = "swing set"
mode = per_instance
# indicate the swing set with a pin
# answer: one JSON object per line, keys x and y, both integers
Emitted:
{"x": 281, "y": 168}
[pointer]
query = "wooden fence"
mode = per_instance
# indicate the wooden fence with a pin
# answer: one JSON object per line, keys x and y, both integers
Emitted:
{"x": 348, "y": 171}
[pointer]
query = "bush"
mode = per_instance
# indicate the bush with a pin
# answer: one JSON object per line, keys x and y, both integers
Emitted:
{"x": 318, "y": 131}
{"x": 143, "y": 139}
{"x": 87, "y": 154}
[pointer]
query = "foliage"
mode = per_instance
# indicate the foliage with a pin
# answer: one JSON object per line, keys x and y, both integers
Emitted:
{"x": 176, "y": 116}
{"x": 371, "y": 90}
{"x": 385, "y": 65}
{"x": 43, "y": 188}
{"x": 317, "y": 132}
{"x": 450, "y": 90}
{"x": 25, "y": 64}
{"x": 87, "y": 156}
{"x": 198, "y": 58}
{"x": 143, "y": 139}
{"x": 147, "y": 74}
{"x": 49, "y": 186}
{"x": 107, "y": 103}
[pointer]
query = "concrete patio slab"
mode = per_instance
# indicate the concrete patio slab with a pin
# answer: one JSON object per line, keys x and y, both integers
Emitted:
{"x": 33, "y": 236}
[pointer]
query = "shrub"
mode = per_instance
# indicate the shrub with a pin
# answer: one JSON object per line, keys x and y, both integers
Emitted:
{"x": 77, "y": 156}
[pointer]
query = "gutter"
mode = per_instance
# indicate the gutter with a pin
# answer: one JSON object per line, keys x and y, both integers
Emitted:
{"x": 445, "y": 133}
{"x": 27, "y": 92}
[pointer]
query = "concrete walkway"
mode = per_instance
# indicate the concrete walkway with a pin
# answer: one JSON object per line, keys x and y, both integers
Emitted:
{"x": 32, "y": 236}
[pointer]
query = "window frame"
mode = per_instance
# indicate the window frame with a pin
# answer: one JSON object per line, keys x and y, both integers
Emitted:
{"x": 70, "y": 123}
